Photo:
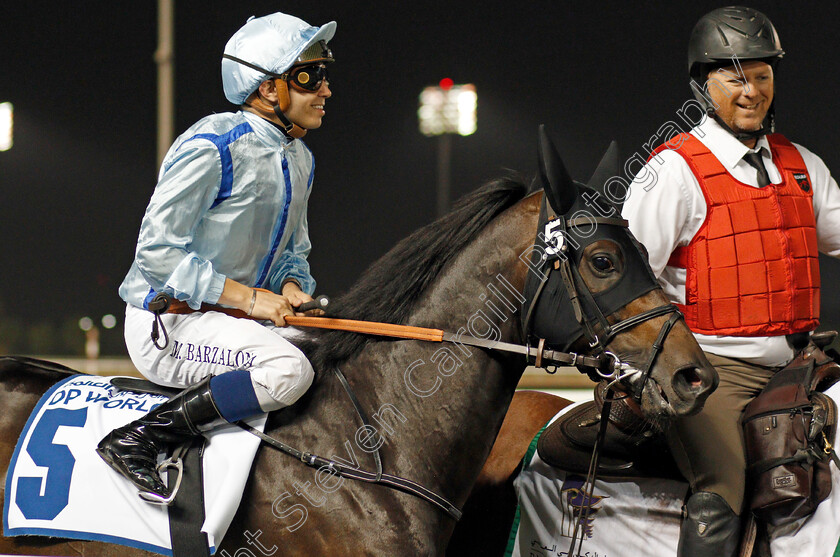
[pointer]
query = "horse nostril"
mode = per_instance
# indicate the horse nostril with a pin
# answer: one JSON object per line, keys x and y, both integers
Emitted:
{"x": 688, "y": 378}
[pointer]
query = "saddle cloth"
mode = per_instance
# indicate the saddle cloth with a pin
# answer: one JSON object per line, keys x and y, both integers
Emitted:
{"x": 58, "y": 486}
{"x": 639, "y": 516}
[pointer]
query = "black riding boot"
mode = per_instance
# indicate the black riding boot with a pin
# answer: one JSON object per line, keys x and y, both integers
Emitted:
{"x": 133, "y": 449}
{"x": 710, "y": 529}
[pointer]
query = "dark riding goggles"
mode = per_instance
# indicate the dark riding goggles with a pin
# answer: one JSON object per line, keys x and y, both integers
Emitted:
{"x": 305, "y": 77}
{"x": 308, "y": 78}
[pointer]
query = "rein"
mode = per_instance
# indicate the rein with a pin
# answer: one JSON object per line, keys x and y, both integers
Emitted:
{"x": 164, "y": 304}
{"x": 411, "y": 333}
{"x": 604, "y": 364}
{"x": 553, "y": 357}
{"x": 379, "y": 477}
{"x": 592, "y": 473}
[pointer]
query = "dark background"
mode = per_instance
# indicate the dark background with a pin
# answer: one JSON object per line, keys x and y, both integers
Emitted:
{"x": 83, "y": 82}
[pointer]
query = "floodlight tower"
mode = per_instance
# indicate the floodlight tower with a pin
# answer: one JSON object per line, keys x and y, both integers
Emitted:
{"x": 445, "y": 110}
{"x": 165, "y": 60}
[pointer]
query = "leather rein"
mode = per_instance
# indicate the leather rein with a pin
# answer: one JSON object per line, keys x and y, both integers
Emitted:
{"x": 605, "y": 364}
{"x": 352, "y": 472}
{"x": 162, "y": 304}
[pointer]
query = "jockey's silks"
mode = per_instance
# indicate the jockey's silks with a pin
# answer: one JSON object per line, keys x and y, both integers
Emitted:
{"x": 230, "y": 202}
{"x": 752, "y": 268}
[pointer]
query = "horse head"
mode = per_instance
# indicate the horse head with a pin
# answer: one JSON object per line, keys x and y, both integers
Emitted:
{"x": 588, "y": 273}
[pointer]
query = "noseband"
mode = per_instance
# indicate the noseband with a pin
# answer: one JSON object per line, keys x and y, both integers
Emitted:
{"x": 557, "y": 258}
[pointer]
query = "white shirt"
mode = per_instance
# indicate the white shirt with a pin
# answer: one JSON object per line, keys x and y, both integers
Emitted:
{"x": 666, "y": 209}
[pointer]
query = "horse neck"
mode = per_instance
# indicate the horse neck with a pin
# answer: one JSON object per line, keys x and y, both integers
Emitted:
{"x": 454, "y": 397}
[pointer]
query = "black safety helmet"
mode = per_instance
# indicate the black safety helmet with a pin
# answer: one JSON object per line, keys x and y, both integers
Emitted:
{"x": 723, "y": 33}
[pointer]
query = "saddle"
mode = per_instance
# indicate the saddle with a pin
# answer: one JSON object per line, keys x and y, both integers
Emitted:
{"x": 633, "y": 447}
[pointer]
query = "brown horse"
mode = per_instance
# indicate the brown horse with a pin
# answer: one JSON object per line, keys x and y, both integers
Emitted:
{"x": 436, "y": 408}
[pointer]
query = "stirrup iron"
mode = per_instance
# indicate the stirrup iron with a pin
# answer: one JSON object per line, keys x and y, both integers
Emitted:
{"x": 156, "y": 499}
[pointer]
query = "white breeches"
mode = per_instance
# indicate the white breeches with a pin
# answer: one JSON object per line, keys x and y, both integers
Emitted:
{"x": 211, "y": 343}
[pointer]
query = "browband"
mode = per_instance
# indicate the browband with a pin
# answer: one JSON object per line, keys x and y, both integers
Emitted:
{"x": 596, "y": 220}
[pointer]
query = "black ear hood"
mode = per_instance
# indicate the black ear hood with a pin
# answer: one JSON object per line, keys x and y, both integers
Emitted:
{"x": 560, "y": 190}
{"x": 607, "y": 169}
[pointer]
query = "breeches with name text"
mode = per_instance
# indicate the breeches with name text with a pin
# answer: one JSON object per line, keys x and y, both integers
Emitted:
{"x": 211, "y": 343}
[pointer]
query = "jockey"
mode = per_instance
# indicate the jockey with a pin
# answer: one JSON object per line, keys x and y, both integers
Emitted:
{"x": 228, "y": 216}
{"x": 733, "y": 224}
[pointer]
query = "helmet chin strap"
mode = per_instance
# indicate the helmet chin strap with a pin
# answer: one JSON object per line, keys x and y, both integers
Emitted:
{"x": 267, "y": 110}
{"x": 767, "y": 126}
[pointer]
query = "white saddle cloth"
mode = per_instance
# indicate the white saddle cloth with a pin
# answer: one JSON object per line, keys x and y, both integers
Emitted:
{"x": 58, "y": 486}
{"x": 640, "y": 517}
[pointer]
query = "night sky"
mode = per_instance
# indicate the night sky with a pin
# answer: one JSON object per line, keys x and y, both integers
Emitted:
{"x": 83, "y": 82}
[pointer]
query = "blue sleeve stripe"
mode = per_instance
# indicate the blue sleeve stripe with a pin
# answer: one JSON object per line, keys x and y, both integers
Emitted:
{"x": 222, "y": 143}
{"x": 265, "y": 264}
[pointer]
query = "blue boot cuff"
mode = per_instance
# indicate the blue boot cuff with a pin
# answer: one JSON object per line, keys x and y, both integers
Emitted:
{"x": 234, "y": 395}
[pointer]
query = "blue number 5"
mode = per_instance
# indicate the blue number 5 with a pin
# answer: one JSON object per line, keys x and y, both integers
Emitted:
{"x": 57, "y": 459}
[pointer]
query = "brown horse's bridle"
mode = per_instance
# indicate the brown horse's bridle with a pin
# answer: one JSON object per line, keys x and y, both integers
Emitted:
{"x": 597, "y": 330}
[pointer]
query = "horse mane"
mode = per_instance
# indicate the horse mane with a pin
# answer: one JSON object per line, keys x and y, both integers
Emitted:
{"x": 390, "y": 288}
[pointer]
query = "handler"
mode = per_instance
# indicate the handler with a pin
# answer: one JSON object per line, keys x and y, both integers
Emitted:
{"x": 228, "y": 216}
{"x": 733, "y": 226}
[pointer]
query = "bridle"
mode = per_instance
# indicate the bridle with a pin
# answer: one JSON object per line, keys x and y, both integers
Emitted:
{"x": 597, "y": 329}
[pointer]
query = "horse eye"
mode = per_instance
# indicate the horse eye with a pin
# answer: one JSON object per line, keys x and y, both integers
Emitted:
{"x": 602, "y": 263}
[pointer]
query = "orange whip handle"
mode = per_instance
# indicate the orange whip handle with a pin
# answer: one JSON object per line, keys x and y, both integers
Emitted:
{"x": 367, "y": 327}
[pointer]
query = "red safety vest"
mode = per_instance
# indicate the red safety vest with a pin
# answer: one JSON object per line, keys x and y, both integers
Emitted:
{"x": 752, "y": 269}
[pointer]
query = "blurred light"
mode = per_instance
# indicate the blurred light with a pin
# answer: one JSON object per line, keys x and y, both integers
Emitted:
{"x": 449, "y": 109}
{"x": 467, "y": 102}
{"x": 85, "y": 323}
{"x": 109, "y": 321}
{"x": 6, "y": 127}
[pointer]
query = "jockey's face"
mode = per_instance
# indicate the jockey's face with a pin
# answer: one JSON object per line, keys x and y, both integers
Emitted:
{"x": 307, "y": 107}
{"x": 749, "y": 94}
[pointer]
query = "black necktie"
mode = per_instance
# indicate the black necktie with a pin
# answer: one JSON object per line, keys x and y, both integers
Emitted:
{"x": 754, "y": 160}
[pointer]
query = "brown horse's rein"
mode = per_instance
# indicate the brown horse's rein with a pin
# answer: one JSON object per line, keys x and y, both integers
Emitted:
{"x": 162, "y": 304}
{"x": 604, "y": 361}
{"x": 542, "y": 356}
{"x": 547, "y": 357}
{"x": 344, "y": 471}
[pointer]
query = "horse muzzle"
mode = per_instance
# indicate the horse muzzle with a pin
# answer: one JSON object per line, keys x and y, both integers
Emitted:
{"x": 692, "y": 386}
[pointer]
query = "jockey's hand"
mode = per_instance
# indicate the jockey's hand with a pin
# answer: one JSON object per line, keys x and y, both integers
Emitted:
{"x": 272, "y": 307}
{"x": 296, "y": 297}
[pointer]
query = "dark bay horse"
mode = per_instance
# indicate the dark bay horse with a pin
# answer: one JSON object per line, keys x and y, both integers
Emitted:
{"x": 435, "y": 409}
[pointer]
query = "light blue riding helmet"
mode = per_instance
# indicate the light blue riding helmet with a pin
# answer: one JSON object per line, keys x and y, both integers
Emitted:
{"x": 274, "y": 43}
